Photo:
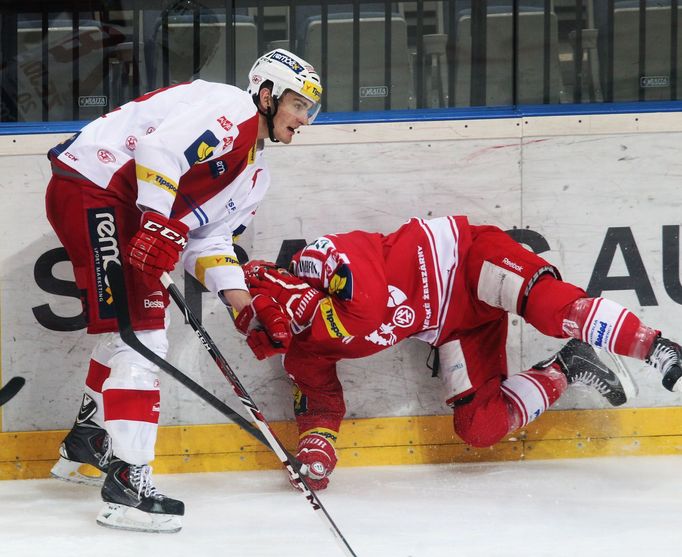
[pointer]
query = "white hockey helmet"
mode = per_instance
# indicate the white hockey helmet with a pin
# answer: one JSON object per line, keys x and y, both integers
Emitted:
{"x": 287, "y": 71}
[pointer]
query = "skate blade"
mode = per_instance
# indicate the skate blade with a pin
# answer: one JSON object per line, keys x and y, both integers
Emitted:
{"x": 625, "y": 377}
{"x": 77, "y": 472}
{"x": 122, "y": 517}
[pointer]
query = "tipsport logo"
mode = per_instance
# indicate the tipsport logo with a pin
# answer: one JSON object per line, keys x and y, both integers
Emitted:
{"x": 159, "y": 180}
{"x": 163, "y": 182}
{"x": 288, "y": 61}
{"x": 312, "y": 90}
{"x": 334, "y": 326}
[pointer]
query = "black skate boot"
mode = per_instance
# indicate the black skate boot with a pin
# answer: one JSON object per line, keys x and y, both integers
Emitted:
{"x": 666, "y": 356}
{"x": 85, "y": 452}
{"x": 131, "y": 502}
{"x": 580, "y": 364}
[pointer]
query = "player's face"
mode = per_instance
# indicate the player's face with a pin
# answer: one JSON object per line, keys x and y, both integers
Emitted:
{"x": 293, "y": 111}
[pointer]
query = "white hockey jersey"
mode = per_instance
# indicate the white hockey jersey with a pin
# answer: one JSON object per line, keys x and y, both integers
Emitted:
{"x": 189, "y": 152}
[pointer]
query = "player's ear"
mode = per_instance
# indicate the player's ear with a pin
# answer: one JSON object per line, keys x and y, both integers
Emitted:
{"x": 265, "y": 98}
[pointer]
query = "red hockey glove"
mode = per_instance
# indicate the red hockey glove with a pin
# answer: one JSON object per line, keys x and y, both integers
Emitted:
{"x": 299, "y": 299}
{"x": 324, "y": 268}
{"x": 317, "y": 456}
{"x": 266, "y": 326}
{"x": 156, "y": 247}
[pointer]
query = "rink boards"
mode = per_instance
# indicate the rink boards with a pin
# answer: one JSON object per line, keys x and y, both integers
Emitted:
{"x": 383, "y": 441}
{"x": 597, "y": 195}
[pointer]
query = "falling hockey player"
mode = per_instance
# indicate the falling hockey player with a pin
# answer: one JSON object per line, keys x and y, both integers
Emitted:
{"x": 179, "y": 170}
{"x": 450, "y": 284}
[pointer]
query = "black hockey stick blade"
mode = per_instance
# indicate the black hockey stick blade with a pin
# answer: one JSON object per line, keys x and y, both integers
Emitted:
{"x": 11, "y": 388}
{"x": 117, "y": 285}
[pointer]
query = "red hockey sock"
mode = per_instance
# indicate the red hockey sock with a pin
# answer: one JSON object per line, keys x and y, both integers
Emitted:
{"x": 547, "y": 304}
{"x": 608, "y": 325}
{"x": 562, "y": 310}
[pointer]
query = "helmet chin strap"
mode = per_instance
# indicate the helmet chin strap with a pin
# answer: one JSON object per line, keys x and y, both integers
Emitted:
{"x": 269, "y": 116}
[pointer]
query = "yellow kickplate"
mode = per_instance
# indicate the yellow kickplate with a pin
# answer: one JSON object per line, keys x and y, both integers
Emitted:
{"x": 381, "y": 441}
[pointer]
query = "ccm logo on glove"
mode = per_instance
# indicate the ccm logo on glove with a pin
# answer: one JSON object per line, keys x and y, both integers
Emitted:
{"x": 165, "y": 232}
{"x": 155, "y": 248}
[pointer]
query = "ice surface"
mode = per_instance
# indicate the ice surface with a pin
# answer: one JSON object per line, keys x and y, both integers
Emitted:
{"x": 587, "y": 507}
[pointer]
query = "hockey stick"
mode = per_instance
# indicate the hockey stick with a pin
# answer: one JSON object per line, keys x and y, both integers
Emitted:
{"x": 117, "y": 285}
{"x": 11, "y": 388}
{"x": 116, "y": 282}
{"x": 255, "y": 413}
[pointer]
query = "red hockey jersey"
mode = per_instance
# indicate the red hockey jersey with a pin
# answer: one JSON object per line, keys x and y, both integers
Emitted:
{"x": 422, "y": 260}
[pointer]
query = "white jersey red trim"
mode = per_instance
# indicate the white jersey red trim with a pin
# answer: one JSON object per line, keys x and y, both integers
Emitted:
{"x": 189, "y": 152}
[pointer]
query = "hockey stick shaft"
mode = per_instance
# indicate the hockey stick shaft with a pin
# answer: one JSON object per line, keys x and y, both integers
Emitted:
{"x": 264, "y": 433}
{"x": 11, "y": 388}
{"x": 116, "y": 282}
{"x": 255, "y": 413}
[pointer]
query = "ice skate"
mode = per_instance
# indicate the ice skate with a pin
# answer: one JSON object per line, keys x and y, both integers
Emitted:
{"x": 666, "y": 356}
{"x": 131, "y": 502}
{"x": 85, "y": 452}
{"x": 580, "y": 363}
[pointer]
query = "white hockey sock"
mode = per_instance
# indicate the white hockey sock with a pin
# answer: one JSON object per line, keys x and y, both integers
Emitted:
{"x": 532, "y": 392}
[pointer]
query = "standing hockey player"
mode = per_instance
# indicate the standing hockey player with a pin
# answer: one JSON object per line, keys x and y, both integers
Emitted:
{"x": 176, "y": 172}
{"x": 451, "y": 284}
